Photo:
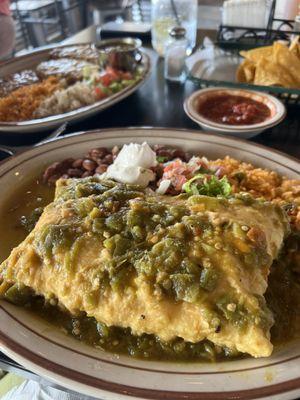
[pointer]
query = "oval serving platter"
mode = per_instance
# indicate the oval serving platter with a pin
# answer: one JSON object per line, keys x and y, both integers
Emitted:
{"x": 47, "y": 351}
{"x": 30, "y": 61}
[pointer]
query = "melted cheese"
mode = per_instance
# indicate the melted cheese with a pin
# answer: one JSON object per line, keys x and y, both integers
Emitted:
{"x": 140, "y": 305}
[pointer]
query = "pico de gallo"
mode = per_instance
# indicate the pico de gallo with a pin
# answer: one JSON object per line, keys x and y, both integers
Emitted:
{"x": 109, "y": 81}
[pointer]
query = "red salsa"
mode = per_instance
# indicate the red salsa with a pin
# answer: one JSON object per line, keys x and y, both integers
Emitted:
{"x": 234, "y": 110}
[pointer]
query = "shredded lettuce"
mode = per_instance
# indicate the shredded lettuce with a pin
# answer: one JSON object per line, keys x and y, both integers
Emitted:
{"x": 162, "y": 159}
{"x": 208, "y": 185}
{"x": 115, "y": 86}
{"x": 128, "y": 82}
{"x": 88, "y": 71}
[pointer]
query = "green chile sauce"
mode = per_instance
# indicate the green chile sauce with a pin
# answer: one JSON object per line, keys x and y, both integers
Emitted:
{"x": 19, "y": 218}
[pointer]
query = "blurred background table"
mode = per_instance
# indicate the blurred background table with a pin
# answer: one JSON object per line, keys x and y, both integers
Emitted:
{"x": 42, "y": 22}
{"x": 159, "y": 103}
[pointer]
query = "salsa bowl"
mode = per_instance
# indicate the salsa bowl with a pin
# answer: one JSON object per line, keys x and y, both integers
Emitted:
{"x": 198, "y": 99}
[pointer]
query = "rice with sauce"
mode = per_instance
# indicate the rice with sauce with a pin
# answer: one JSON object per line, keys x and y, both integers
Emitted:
{"x": 21, "y": 104}
{"x": 264, "y": 183}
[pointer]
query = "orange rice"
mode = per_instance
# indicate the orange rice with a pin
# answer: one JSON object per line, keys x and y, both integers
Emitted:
{"x": 21, "y": 103}
{"x": 262, "y": 183}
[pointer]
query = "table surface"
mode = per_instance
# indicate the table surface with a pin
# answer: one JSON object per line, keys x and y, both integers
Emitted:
{"x": 159, "y": 103}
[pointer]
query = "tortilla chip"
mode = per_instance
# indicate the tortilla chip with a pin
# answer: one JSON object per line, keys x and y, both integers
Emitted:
{"x": 276, "y": 65}
{"x": 246, "y": 72}
{"x": 268, "y": 73}
{"x": 287, "y": 60}
{"x": 240, "y": 74}
{"x": 255, "y": 55}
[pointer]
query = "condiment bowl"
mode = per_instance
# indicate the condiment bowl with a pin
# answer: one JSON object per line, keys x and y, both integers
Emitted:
{"x": 122, "y": 53}
{"x": 276, "y": 107}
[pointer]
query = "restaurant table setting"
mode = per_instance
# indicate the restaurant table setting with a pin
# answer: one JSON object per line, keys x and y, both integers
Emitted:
{"x": 212, "y": 131}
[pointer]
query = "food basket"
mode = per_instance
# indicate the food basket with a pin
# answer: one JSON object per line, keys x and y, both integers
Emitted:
{"x": 287, "y": 96}
{"x": 233, "y": 39}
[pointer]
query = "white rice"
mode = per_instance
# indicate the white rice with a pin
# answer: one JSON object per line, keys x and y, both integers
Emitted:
{"x": 78, "y": 95}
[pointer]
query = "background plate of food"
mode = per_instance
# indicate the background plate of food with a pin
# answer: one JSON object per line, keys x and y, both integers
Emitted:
{"x": 43, "y": 89}
{"x": 161, "y": 265}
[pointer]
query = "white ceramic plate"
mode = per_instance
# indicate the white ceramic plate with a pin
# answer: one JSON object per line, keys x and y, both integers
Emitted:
{"x": 45, "y": 350}
{"x": 30, "y": 61}
{"x": 276, "y": 107}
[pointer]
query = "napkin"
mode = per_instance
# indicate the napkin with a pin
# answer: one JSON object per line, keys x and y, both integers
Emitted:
{"x": 212, "y": 63}
{"x": 30, "y": 390}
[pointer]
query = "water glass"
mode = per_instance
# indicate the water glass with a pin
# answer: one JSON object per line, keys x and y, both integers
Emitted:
{"x": 166, "y": 14}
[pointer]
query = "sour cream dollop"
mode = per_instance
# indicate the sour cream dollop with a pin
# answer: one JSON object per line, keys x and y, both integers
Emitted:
{"x": 132, "y": 165}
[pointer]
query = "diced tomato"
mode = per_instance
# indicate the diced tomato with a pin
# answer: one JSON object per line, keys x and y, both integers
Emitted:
{"x": 177, "y": 167}
{"x": 173, "y": 165}
{"x": 99, "y": 93}
{"x": 106, "y": 80}
{"x": 178, "y": 181}
{"x": 180, "y": 172}
{"x": 176, "y": 171}
{"x": 113, "y": 73}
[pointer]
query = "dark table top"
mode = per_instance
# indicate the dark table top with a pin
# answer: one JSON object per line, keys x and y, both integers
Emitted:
{"x": 159, "y": 103}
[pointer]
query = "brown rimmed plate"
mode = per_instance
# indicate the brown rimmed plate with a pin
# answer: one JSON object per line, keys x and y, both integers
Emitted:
{"x": 276, "y": 107}
{"x": 30, "y": 61}
{"x": 47, "y": 351}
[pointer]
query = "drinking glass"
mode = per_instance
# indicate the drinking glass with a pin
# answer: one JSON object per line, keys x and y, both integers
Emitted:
{"x": 166, "y": 14}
